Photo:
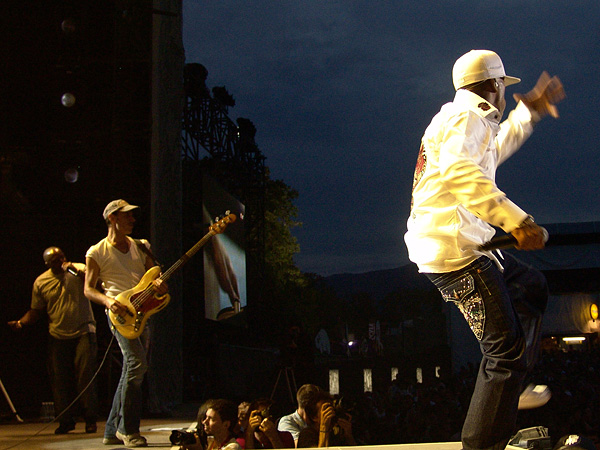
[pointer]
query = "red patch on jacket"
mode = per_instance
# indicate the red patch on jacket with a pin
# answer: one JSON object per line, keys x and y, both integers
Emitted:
{"x": 420, "y": 169}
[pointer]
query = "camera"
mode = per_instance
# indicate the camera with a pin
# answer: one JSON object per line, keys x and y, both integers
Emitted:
{"x": 342, "y": 411}
{"x": 266, "y": 413}
{"x": 182, "y": 437}
{"x": 341, "y": 408}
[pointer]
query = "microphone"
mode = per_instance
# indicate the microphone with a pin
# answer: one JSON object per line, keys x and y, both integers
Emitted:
{"x": 506, "y": 241}
{"x": 72, "y": 271}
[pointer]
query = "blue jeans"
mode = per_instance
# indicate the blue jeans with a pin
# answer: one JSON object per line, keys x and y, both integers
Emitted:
{"x": 72, "y": 364}
{"x": 504, "y": 310}
{"x": 126, "y": 411}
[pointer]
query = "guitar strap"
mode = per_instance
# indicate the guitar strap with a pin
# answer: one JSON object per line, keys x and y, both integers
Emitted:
{"x": 145, "y": 249}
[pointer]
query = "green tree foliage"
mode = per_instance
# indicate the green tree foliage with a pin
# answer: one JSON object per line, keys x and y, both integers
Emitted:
{"x": 280, "y": 244}
{"x": 290, "y": 295}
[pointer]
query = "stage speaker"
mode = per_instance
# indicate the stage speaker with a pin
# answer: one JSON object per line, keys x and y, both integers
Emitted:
{"x": 534, "y": 438}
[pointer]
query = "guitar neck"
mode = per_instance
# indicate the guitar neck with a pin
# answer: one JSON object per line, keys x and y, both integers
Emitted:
{"x": 186, "y": 257}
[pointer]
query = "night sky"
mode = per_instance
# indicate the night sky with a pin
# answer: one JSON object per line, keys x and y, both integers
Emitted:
{"x": 341, "y": 92}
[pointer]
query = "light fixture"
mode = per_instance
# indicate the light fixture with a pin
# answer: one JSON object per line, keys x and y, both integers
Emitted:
{"x": 334, "y": 381}
{"x": 594, "y": 311}
{"x": 68, "y": 26}
{"x": 367, "y": 380}
{"x": 574, "y": 340}
{"x": 68, "y": 99}
{"x": 72, "y": 174}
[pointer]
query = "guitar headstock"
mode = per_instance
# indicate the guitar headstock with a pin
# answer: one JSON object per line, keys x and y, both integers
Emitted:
{"x": 221, "y": 223}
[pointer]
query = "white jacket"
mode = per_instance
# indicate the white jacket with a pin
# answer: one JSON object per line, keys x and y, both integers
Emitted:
{"x": 455, "y": 197}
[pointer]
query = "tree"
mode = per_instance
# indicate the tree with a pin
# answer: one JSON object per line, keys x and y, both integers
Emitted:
{"x": 289, "y": 295}
{"x": 280, "y": 244}
{"x": 281, "y": 279}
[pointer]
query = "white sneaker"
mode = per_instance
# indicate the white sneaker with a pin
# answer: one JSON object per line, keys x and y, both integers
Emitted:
{"x": 132, "y": 440}
{"x": 534, "y": 396}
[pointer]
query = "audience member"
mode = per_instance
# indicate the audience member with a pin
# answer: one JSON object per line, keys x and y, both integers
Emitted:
{"x": 297, "y": 421}
{"x": 262, "y": 431}
{"x": 220, "y": 420}
{"x": 433, "y": 410}
{"x": 200, "y": 441}
{"x": 324, "y": 426}
{"x": 243, "y": 416}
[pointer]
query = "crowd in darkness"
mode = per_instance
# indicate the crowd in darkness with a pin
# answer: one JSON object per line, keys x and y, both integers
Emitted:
{"x": 574, "y": 379}
{"x": 433, "y": 411}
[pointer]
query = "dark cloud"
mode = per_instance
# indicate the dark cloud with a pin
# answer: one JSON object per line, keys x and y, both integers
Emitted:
{"x": 340, "y": 93}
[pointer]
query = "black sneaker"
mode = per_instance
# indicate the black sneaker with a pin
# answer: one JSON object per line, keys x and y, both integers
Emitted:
{"x": 64, "y": 428}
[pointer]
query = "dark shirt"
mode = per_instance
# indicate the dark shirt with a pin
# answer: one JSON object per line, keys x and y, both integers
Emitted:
{"x": 287, "y": 441}
{"x": 309, "y": 437}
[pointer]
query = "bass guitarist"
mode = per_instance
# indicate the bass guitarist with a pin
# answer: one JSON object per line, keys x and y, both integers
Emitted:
{"x": 120, "y": 263}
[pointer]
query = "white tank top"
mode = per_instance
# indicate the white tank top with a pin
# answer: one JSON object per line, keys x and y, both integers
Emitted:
{"x": 118, "y": 271}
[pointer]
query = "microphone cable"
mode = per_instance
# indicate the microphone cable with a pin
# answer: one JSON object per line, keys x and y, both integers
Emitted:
{"x": 72, "y": 403}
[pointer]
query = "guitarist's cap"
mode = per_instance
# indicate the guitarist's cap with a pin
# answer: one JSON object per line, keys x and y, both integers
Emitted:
{"x": 117, "y": 205}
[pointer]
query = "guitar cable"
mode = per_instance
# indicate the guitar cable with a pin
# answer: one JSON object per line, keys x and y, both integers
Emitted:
{"x": 72, "y": 403}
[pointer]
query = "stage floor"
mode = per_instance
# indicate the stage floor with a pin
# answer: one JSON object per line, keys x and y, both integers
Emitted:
{"x": 33, "y": 436}
{"x": 40, "y": 436}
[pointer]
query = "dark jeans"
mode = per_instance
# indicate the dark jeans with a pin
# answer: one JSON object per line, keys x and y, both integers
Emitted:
{"x": 72, "y": 363}
{"x": 126, "y": 411}
{"x": 504, "y": 310}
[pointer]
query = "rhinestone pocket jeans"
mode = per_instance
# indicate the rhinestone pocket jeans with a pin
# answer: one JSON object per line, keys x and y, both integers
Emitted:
{"x": 504, "y": 310}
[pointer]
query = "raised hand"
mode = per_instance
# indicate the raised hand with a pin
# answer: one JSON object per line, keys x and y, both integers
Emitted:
{"x": 530, "y": 236}
{"x": 255, "y": 420}
{"x": 543, "y": 97}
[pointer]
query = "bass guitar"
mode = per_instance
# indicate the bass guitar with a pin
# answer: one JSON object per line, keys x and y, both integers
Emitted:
{"x": 141, "y": 301}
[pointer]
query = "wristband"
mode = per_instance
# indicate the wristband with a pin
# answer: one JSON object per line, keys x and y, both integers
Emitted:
{"x": 528, "y": 221}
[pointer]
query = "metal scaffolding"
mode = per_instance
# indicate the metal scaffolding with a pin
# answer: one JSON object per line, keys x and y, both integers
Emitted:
{"x": 233, "y": 156}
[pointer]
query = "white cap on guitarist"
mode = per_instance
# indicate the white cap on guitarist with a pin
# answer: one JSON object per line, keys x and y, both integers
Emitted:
{"x": 117, "y": 205}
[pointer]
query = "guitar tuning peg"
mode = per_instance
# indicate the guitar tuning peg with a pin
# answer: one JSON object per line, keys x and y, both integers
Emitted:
{"x": 227, "y": 212}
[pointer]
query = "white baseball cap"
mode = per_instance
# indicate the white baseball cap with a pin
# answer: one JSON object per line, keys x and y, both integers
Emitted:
{"x": 117, "y": 205}
{"x": 479, "y": 65}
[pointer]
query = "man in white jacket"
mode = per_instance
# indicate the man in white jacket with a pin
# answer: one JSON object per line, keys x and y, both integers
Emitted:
{"x": 455, "y": 204}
